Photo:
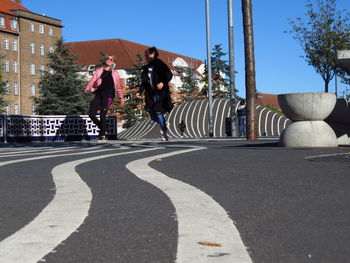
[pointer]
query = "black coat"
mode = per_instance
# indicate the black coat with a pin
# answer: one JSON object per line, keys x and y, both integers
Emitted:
{"x": 160, "y": 73}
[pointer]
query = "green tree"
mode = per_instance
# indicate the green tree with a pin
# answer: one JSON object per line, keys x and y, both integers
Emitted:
{"x": 324, "y": 31}
{"x": 61, "y": 87}
{"x": 131, "y": 112}
{"x": 220, "y": 74}
{"x": 189, "y": 90}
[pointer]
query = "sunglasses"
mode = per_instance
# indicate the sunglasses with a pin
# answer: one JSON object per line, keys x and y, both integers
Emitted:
{"x": 109, "y": 59}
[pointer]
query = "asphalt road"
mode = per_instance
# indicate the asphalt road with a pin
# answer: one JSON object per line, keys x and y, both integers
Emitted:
{"x": 103, "y": 202}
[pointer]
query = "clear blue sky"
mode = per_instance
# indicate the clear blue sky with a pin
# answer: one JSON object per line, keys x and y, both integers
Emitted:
{"x": 179, "y": 26}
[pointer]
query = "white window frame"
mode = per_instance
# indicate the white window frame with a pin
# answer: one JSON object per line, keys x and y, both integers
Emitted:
{"x": 50, "y": 31}
{"x": 2, "y": 21}
{"x": 41, "y": 29}
{"x": 14, "y": 45}
{"x": 31, "y": 27}
{"x": 33, "y": 89}
{"x": 16, "y": 109}
{"x": 6, "y": 65}
{"x": 15, "y": 89}
{"x": 42, "y": 50}
{"x": 33, "y": 110}
{"x": 14, "y": 24}
{"x": 51, "y": 49}
{"x": 7, "y": 88}
{"x": 7, "y": 109}
{"x": 32, "y": 48}
{"x": 42, "y": 69}
{"x": 15, "y": 67}
{"x": 32, "y": 69}
{"x": 6, "y": 43}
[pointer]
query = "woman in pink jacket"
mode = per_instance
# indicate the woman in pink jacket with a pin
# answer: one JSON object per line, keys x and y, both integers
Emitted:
{"x": 105, "y": 85}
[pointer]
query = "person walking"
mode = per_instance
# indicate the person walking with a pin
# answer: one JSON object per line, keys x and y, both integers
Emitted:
{"x": 242, "y": 117}
{"x": 182, "y": 127}
{"x": 104, "y": 84}
{"x": 156, "y": 76}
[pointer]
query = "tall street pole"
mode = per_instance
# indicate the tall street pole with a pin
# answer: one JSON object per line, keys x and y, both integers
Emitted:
{"x": 210, "y": 97}
{"x": 232, "y": 69}
{"x": 249, "y": 68}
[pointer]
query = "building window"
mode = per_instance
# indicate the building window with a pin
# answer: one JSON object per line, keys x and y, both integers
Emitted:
{"x": 42, "y": 70}
{"x": 2, "y": 21}
{"x": 14, "y": 24}
{"x": 16, "y": 109}
{"x": 6, "y": 66}
{"x": 33, "y": 110}
{"x": 7, "y": 88}
{"x": 51, "y": 49}
{"x": 31, "y": 27}
{"x": 15, "y": 88}
{"x": 15, "y": 67}
{"x": 42, "y": 50}
{"x": 32, "y": 89}
{"x": 6, "y": 43}
{"x": 32, "y": 48}
{"x": 32, "y": 69}
{"x": 41, "y": 29}
{"x": 50, "y": 30}
{"x": 14, "y": 45}
{"x": 7, "y": 109}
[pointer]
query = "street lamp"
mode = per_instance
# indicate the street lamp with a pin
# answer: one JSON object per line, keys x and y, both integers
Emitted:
{"x": 210, "y": 97}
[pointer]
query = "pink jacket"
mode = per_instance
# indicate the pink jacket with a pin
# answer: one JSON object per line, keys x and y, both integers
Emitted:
{"x": 96, "y": 77}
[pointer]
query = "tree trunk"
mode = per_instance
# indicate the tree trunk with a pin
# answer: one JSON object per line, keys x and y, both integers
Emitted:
{"x": 249, "y": 68}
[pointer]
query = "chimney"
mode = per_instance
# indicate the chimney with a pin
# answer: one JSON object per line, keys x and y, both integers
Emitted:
{"x": 18, "y": 2}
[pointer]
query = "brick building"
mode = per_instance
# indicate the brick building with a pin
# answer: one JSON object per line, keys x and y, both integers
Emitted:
{"x": 25, "y": 39}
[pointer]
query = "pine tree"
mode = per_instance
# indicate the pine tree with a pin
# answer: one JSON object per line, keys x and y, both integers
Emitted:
{"x": 189, "y": 90}
{"x": 61, "y": 87}
{"x": 132, "y": 112}
{"x": 220, "y": 71}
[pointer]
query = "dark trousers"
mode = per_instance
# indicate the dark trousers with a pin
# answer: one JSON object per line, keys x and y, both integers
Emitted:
{"x": 101, "y": 104}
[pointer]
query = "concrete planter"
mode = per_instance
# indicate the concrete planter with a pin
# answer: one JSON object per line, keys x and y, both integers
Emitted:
{"x": 308, "y": 110}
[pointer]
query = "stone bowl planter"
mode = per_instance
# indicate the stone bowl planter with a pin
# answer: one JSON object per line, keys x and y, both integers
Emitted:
{"x": 307, "y": 106}
{"x": 308, "y": 110}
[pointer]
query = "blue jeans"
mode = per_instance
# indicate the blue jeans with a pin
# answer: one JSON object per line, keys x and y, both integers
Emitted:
{"x": 158, "y": 117}
{"x": 242, "y": 122}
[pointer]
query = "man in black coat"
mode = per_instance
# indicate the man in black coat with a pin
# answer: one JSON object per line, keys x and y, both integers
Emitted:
{"x": 156, "y": 76}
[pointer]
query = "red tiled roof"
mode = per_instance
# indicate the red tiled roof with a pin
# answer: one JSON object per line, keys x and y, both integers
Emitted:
{"x": 7, "y": 5}
{"x": 125, "y": 53}
{"x": 267, "y": 100}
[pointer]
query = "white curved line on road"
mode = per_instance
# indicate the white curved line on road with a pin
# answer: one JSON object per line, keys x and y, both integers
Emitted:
{"x": 56, "y": 150}
{"x": 221, "y": 127}
{"x": 194, "y": 111}
{"x": 58, "y": 220}
{"x": 198, "y": 117}
{"x": 272, "y": 130}
{"x": 278, "y": 125}
{"x": 205, "y": 115}
{"x": 188, "y": 123}
{"x": 59, "y": 155}
{"x": 259, "y": 123}
{"x": 200, "y": 218}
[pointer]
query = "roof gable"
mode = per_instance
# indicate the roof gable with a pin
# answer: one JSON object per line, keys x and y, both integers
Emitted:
{"x": 125, "y": 53}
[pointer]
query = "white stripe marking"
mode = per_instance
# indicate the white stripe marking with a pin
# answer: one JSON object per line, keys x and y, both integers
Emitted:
{"x": 200, "y": 218}
{"x": 58, "y": 220}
